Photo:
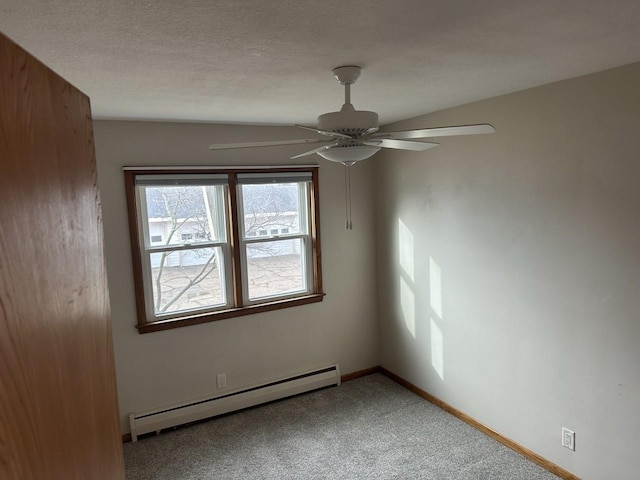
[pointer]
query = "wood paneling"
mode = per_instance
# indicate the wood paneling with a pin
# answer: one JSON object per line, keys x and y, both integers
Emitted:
{"x": 58, "y": 405}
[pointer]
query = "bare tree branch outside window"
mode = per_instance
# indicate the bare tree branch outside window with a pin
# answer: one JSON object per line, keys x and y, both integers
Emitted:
{"x": 190, "y": 278}
{"x": 182, "y": 212}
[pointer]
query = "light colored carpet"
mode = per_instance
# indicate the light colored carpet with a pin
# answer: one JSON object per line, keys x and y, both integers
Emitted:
{"x": 369, "y": 428}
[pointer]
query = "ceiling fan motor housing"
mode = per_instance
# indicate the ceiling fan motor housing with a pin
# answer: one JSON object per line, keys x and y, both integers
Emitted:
{"x": 352, "y": 123}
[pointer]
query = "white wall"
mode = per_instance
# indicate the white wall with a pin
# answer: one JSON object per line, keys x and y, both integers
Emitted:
{"x": 160, "y": 368}
{"x": 523, "y": 309}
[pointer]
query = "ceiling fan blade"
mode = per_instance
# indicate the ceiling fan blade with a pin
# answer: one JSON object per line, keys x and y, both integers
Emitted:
{"x": 275, "y": 143}
{"x": 323, "y": 132}
{"x": 401, "y": 144}
{"x": 316, "y": 150}
{"x": 438, "y": 132}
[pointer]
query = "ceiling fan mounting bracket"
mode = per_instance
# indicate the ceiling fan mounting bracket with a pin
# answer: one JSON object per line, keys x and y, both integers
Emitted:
{"x": 347, "y": 75}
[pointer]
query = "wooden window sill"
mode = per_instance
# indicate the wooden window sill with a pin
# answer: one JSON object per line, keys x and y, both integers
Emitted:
{"x": 230, "y": 313}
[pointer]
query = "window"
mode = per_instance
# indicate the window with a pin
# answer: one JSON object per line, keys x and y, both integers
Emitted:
{"x": 222, "y": 255}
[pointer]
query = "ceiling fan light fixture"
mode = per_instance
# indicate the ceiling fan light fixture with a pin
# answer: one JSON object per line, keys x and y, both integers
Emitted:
{"x": 349, "y": 154}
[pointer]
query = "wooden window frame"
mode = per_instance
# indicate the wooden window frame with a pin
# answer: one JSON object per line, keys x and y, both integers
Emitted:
{"x": 239, "y": 308}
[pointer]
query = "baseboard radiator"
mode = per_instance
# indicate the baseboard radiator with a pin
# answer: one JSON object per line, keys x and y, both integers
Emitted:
{"x": 199, "y": 409}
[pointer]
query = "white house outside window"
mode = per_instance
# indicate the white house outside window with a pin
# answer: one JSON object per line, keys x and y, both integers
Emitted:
{"x": 275, "y": 264}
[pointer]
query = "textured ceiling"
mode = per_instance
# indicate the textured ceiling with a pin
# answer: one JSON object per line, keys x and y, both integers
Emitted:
{"x": 270, "y": 61}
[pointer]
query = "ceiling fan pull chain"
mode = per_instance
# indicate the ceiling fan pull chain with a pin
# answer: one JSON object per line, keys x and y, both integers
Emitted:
{"x": 347, "y": 192}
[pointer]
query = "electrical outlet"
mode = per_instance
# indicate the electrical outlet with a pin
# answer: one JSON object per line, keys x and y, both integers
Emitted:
{"x": 222, "y": 380}
{"x": 568, "y": 439}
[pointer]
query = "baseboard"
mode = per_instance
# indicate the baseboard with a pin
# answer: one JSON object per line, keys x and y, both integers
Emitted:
{"x": 343, "y": 378}
{"x": 531, "y": 455}
{"x": 360, "y": 373}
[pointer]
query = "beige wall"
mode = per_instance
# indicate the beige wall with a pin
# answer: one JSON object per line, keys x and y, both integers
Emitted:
{"x": 509, "y": 268}
{"x": 160, "y": 368}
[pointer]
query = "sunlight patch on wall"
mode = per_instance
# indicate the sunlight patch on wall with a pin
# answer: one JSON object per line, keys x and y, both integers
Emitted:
{"x": 437, "y": 349}
{"x": 435, "y": 287}
{"x": 407, "y": 291}
{"x": 408, "y": 304}
{"x": 405, "y": 246}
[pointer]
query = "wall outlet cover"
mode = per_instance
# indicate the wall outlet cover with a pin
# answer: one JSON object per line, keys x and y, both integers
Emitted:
{"x": 568, "y": 439}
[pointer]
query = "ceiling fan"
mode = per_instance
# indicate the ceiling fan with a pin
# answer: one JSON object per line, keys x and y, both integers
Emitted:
{"x": 353, "y": 134}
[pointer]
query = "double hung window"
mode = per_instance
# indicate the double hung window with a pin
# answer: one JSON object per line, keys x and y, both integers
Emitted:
{"x": 213, "y": 244}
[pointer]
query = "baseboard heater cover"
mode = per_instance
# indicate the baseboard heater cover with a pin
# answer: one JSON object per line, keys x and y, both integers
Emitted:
{"x": 199, "y": 409}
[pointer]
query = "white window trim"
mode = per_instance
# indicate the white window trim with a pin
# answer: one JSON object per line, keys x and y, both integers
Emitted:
{"x": 304, "y": 204}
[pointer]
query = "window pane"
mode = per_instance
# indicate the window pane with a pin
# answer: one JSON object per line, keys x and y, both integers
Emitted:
{"x": 272, "y": 207}
{"x": 275, "y": 268}
{"x": 187, "y": 280}
{"x": 187, "y": 246}
{"x": 185, "y": 214}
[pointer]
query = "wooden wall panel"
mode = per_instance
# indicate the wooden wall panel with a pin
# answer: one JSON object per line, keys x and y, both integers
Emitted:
{"x": 58, "y": 402}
